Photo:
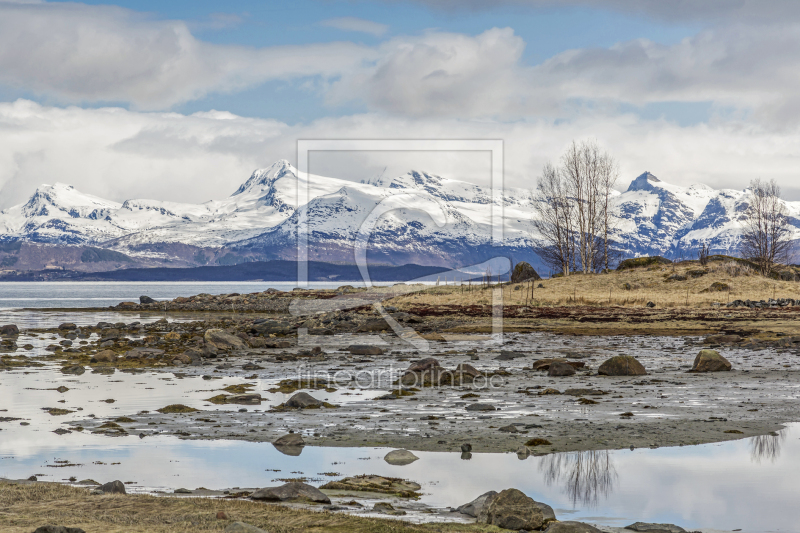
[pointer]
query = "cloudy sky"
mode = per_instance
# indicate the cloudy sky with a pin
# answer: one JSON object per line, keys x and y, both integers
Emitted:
{"x": 182, "y": 100}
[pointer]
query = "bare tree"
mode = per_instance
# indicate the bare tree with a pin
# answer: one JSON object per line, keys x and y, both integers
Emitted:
{"x": 766, "y": 236}
{"x": 553, "y": 218}
{"x": 573, "y": 209}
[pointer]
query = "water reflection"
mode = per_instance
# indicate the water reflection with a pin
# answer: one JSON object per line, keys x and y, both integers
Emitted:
{"x": 767, "y": 447}
{"x": 588, "y": 477}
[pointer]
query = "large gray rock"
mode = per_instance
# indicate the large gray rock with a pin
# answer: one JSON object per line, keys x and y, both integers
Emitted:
{"x": 559, "y": 369}
{"x": 475, "y": 506}
{"x": 645, "y": 527}
{"x": 511, "y": 509}
{"x": 622, "y": 365}
{"x": 302, "y": 400}
{"x": 710, "y": 361}
{"x": 400, "y": 457}
{"x": 290, "y": 444}
{"x": 113, "y": 487}
{"x": 523, "y": 272}
{"x": 241, "y": 527}
{"x": 294, "y": 491}
{"x": 146, "y": 300}
{"x": 571, "y": 527}
{"x": 223, "y": 341}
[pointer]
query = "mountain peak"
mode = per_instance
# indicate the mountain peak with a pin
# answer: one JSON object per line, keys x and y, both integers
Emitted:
{"x": 263, "y": 178}
{"x": 643, "y": 182}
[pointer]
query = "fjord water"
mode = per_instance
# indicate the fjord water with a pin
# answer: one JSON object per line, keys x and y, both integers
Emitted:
{"x": 73, "y": 294}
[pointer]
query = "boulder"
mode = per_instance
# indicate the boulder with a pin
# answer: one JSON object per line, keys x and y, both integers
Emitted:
{"x": 523, "y": 272}
{"x": 374, "y": 326}
{"x": 571, "y": 527}
{"x": 223, "y": 341}
{"x": 183, "y": 358}
{"x": 290, "y": 439}
{"x": 400, "y": 457}
{"x": 294, "y": 491}
{"x": 58, "y": 529}
{"x": 75, "y": 370}
{"x": 113, "y": 487}
{"x": 559, "y": 369}
{"x": 67, "y": 326}
{"x": 475, "y": 506}
{"x": 146, "y": 300}
{"x": 9, "y": 330}
{"x": 422, "y": 365}
{"x": 242, "y": 527}
{"x": 302, "y": 400}
{"x": 710, "y": 361}
{"x": 511, "y": 509}
{"x": 465, "y": 370}
{"x": 622, "y": 365}
{"x": 364, "y": 349}
{"x": 644, "y": 527}
{"x": 106, "y": 356}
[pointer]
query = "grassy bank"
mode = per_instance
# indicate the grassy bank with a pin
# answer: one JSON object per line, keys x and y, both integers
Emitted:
{"x": 24, "y": 507}
{"x": 687, "y": 284}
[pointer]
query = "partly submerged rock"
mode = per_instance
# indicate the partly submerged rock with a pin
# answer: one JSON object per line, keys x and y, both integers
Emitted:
{"x": 383, "y": 485}
{"x": 646, "y": 527}
{"x": 622, "y": 365}
{"x": 290, "y": 444}
{"x": 511, "y": 509}
{"x": 400, "y": 457}
{"x": 75, "y": 370}
{"x": 294, "y": 491}
{"x": 302, "y": 400}
{"x": 559, "y": 369}
{"x": 223, "y": 341}
{"x": 365, "y": 349}
{"x": 710, "y": 361}
{"x": 571, "y": 527}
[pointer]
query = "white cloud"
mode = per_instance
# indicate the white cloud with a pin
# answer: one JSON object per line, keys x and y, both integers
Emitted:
{"x": 75, "y": 53}
{"x": 121, "y": 154}
{"x": 356, "y": 24}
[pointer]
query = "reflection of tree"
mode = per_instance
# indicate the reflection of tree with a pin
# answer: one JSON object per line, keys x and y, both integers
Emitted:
{"x": 767, "y": 446}
{"x": 587, "y": 476}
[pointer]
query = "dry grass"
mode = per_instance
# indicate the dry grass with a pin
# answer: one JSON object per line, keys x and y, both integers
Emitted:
{"x": 633, "y": 287}
{"x": 25, "y": 507}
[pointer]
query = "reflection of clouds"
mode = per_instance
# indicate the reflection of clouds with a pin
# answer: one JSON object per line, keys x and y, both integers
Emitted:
{"x": 587, "y": 476}
{"x": 767, "y": 446}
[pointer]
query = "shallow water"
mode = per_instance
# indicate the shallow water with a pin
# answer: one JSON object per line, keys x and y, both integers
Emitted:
{"x": 73, "y": 294}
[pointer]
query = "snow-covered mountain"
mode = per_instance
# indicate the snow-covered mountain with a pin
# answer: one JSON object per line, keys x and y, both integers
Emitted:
{"x": 423, "y": 219}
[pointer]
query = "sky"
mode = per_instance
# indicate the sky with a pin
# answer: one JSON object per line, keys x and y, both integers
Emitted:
{"x": 182, "y": 100}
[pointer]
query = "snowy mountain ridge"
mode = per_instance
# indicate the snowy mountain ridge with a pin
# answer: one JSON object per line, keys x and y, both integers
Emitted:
{"x": 429, "y": 219}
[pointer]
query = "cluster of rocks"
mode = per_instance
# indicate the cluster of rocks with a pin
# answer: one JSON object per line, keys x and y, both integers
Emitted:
{"x": 765, "y": 304}
{"x": 430, "y": 373}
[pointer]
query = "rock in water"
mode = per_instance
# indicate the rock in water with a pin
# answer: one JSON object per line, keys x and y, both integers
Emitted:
{"x": 622, "y": 365}
{"x": 571, "y": 527}
{"x": 710, "y": 361}
{"x": 523, "y": 272}
{"x": 302, "y": 400}
{"x": 113, "y": 487}
{"x": 400, "y": 457}
{"x": 106, "y": 356}
{"x": 559, "y": 369}
{"x": 475, "y": 506}
{"x": 511, "y": 509}
{"x": 146, "y": 300}
{"x": 290, "y": 439}
{"x": 241, "y": 527}
{"x": 294, "y": 491}
{"x": 9, "y": 330}
{"x": 75, "y": 370}
{"x": 644, "y": 527}
{"x": 365, "y": 349}
{"x": 223, "y": 341}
